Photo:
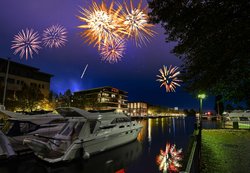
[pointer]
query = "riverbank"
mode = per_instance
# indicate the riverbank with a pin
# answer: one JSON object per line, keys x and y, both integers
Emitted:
{"x": 225, "y": 150}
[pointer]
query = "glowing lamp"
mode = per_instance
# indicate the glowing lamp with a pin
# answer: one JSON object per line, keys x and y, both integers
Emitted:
{"x": 201, "y": 96}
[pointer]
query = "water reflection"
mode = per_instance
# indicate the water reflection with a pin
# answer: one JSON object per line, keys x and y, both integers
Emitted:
{"x": 149, "y": 129}
{"x": 167, "y": 126}
{"x": 155, "y": 134}
{"x": 169, "y": 160}
{"x": 112, "y": 161}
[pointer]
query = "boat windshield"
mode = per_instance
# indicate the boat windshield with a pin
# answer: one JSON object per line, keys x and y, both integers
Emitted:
{"x": 67, "y": 112}
{"x": 16, "y": 128}
{"x": 71, "y": 127}
{"x": 243, "y": 119}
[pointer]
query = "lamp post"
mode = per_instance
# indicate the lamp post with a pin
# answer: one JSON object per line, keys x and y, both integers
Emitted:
{"x": 201, "y": 97}
{"x": 5, "y": 81}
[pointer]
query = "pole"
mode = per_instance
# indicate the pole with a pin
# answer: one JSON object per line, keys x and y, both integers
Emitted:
{"x": 5, "y": 81}
{"x": 200, "y": 109}
{"x": 201, "y": 97}
{"x": 199, "y": 138}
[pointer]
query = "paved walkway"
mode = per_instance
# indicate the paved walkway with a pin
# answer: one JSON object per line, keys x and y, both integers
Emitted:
{"x": 225, "y": 151}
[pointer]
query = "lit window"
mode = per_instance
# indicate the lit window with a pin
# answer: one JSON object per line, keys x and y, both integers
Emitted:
{"x": 104, "y": 100}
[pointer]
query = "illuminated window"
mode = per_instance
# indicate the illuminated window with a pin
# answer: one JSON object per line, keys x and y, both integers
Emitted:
{"x": 113, "y": 95}
{"x": 105, "y": 94}
{"x": 104, "y": 100}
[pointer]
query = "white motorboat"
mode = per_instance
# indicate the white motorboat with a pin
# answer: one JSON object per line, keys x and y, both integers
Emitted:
{"x": 17, "y": 126}
{"x": 238, "y": 113}
{"x": 237, "y": 119}
{"x": 85, "y": 134}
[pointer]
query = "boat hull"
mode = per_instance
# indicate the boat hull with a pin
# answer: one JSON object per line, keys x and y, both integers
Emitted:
{"x": 96, "y": 145}
{"x": 6, "y": 150}
{"x": 110, "y": 141}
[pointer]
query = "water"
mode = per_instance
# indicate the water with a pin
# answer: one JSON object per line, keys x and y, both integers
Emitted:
{"x": 208, "y": 124}
{"x": 138, "y": 156}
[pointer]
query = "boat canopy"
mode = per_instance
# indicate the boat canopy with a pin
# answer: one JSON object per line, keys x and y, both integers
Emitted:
{"x": 72, "y": 112}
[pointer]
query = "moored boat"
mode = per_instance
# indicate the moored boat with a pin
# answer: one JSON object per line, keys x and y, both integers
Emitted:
{"x": 17, "y": 126}
{"x": 85, "y": 134}
{"x": 237, "y": 119}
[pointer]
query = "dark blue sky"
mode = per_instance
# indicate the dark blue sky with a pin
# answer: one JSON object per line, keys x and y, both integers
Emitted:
{"x": 136, "y": 73}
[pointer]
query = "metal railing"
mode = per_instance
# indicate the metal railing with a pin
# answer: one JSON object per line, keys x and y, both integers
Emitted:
{"x": 194, "y": 159}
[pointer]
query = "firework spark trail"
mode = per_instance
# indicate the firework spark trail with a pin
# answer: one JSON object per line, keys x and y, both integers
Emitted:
{"x": 135, "y": 21}
{"x": 54, "y": 36}
{"x": 112, "y": 51}
{"x": 169, "y": 159}
{"x": 26, "y": 42}
{"x": 168, "y": 78}
{"x": 101, "y": 24}
{"x": 84, "y": 70}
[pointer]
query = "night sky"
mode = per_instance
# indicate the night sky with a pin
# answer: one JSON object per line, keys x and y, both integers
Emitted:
{"x": 136, "y": 73}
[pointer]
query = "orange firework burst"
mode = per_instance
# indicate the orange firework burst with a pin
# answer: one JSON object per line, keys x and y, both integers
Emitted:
{"x": 102, "y": 24}
{"x": 135, "y": 21}
{"x": 112, "y": 51}
{"x": 168, "y": 78}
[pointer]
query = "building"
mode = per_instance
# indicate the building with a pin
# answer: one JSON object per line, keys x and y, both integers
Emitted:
{"x": 103, "y": 98}
{"x": 137, "y": 109}
{"x": 20, "y": 75}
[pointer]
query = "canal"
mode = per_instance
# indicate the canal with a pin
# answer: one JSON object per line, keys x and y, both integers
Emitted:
{"x": 138, "y": 156}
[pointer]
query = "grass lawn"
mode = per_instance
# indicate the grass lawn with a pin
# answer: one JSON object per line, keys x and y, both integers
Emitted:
{"x": 225, "y": 151}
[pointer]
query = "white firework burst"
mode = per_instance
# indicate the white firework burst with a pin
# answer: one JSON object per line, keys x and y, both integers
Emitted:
{"x": 54, "y": 36}
{"x": 112, "y": 51}
{"x": 135, "y": 21}
{"x": 26, "y": 42}
{"x": 168, "y": 78}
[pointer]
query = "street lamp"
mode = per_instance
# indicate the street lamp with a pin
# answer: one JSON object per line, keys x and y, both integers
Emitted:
{"x": 201, "y": 97}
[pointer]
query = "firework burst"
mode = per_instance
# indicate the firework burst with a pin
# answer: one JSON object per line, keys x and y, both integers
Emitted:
{"x": 101, "y": 24}
{"x": 169, "y": 159}
{"x": 26, "y": 42}
{"x": 112, "y": 51}
{"x": 135, "y": 21}
{"x": 54, "y": 36}
{"x": 168, "y": 78}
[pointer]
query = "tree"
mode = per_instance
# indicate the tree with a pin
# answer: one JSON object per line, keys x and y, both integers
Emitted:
{"x": 213, "y": 38}
{"x": 67, "y": 97}
{"x": 229, "y": 107}
{"x": 219, "y": 106}
{"x": 52, "y": 96}
{"x": 29, "y": 97}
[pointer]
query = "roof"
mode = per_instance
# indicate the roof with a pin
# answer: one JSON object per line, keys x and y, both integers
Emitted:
{"x": 100, "y": 88}
{"x": 26, "y": 66}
